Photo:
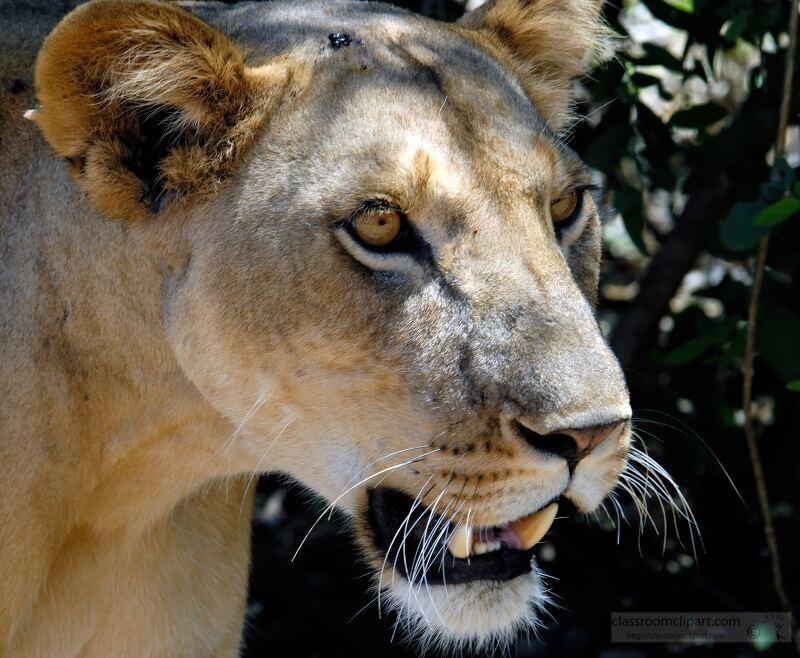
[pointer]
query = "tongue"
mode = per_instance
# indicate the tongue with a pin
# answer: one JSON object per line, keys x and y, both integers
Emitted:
{"x": 528, "y": 532}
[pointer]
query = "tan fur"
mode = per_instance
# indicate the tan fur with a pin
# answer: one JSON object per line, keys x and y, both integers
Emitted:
{"x": 109, "y": 60}
{"x": 228, "y": 326}
{"x": 550, "y": 41}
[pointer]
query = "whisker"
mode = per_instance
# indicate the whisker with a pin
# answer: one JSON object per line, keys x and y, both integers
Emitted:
{"x": 643, "y": 479}
{"x": 688, "y": 430}
{"x": 405, "y": 559}
{"x": 417, "y": 501}
{"x": 423, "y": 545}
{"x": 369, "y": 603}
{"x": 423, "y": 550}
{"x": 565, "y": 135}
{"x": 332, "y": 505}
{"x": 221, "y": 453}
{"x": 380, "y": 459}
{"x": 261, "y": 459}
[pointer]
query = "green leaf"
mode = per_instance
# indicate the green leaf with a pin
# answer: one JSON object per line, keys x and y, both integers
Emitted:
{"x": 608, "y": 147}
{"x": 642, "y": 80}
{"x": 771, "y": 190}
{"x": 628, "y": 201}
{"x": 739, "y": 231}
{"x": 689, "y": 351}
{"x": 682, "y": 5}
{"x": 658, "y": 56}
{"x": 670, "y": 15}
{"x": 693, "y": 349}
{"x": 778, "y": 212}
{"x": 782, "y": 171}
{"x": 658, "y": 149}
{"x": 794, "y": 386}
{"x": 777, "y": 342}
{"x": 737, "y": 26}
{"x": 698, "y": 116}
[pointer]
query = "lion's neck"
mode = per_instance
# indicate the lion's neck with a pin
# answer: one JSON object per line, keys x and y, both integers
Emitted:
{"x": 128, "y": 434}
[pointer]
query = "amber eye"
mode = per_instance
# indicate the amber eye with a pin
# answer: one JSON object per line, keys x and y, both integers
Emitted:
{"x": 378, "y": 227}
{"x": 563, "y": 207}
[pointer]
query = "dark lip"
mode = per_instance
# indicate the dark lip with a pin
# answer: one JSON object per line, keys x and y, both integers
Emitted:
{"x": 387, "y": 510}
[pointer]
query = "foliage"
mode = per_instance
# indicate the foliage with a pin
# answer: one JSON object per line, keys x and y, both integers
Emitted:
{"x": 686, "y": 147}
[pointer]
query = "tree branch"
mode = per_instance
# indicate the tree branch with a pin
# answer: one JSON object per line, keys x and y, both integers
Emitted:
{"x": 677, "y": 255}
{"x": 752, "y": 317}
{"x": 637, "y": 328}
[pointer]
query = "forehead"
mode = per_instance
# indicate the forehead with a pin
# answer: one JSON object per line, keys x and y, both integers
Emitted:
{"x": 389, "y": 51}
{"x": 404, "y": 82}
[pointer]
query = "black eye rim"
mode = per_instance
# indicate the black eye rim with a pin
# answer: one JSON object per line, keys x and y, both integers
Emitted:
{"x": 564, "y": 225}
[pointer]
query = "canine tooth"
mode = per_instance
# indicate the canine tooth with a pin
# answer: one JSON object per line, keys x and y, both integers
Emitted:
{"x": 480, "y": 549}
{"x": 532, "y": 528}
{"x": 460, "y": 544}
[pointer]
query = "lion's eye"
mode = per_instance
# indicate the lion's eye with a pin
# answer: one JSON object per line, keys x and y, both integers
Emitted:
{"x": 381, "y": 237}
{"x": 377, "y": 227}
{"x": 562, "y": 209}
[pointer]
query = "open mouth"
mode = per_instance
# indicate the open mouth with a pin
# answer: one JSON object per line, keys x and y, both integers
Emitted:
{"x": 424, "y": 546}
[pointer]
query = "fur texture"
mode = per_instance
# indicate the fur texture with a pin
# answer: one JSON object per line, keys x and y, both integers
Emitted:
{"x": 230, "y": 325}
{"x": 550, "y": 43}
{"x": 145, "y": 100}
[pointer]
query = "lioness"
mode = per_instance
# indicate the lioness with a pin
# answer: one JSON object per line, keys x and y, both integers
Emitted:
{"x": 333, "y": 239}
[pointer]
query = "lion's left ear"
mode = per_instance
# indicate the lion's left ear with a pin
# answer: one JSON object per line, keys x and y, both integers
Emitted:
{"x": 147, "y": 102}
{"x": 550, "y": 41}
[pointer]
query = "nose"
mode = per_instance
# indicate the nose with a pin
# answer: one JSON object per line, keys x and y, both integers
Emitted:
{"x": 573, "y": 444}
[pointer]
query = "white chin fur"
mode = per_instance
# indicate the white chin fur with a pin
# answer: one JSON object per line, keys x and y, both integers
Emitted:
{"x": 482, "y": 615}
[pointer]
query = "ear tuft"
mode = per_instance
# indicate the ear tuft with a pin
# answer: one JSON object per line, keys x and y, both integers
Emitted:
{"x": 550, "y": 43}
{"x": 146, "y": 101}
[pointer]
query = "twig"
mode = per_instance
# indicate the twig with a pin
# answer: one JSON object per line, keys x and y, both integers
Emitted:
{"x": 752, "y": 317}
{"x": 786, "y": 98}
{"x": 676, "y": 256}
{"x": 638, "y": 325}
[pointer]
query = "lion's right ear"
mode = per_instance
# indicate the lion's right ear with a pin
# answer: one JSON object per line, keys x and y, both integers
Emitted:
{"x": 147, "y": 102}
{"x": 549, "y": 40}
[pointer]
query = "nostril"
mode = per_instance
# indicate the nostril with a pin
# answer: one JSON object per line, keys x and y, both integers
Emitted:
{"x": 562, "y": 445}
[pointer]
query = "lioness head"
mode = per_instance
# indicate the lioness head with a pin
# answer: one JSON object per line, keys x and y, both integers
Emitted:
{"x": 380, "y": 264}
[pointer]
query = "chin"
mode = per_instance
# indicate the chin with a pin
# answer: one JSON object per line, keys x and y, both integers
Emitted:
{"x": 480, "y": 615}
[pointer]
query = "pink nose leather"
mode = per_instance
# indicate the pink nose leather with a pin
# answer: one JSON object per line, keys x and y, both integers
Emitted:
{"x": 588, "y": 438}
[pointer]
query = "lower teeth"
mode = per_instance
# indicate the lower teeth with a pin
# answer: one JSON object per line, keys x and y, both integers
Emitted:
{"x": 528, "y": 530}
{"x": 482, "y": 548}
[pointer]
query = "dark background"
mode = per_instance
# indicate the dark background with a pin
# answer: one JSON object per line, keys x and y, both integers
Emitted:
{"x": 681, "y": 126}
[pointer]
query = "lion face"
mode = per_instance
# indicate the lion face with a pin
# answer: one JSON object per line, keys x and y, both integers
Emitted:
{"x": 389, "y": 292}
{"x": 412, "y": 322}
